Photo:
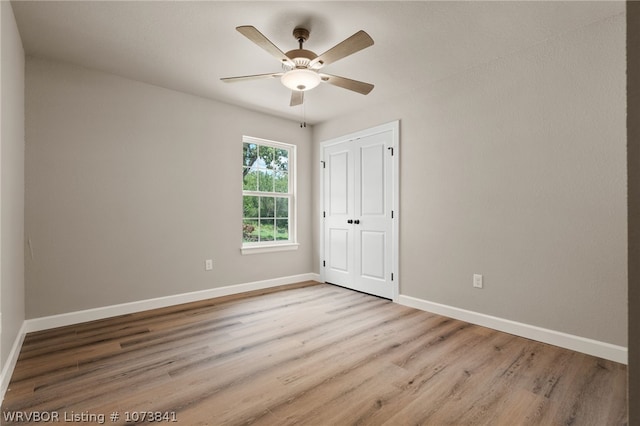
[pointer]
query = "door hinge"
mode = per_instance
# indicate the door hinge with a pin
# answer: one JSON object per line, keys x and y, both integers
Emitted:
{"x": 324, "y": 165}
{"x": 391, "y": 148}
{"x": 324, "y": 263}
{"x": 392, "y": 276}
{"x": 324, "y": 214}
{"x": 391, "y": 214}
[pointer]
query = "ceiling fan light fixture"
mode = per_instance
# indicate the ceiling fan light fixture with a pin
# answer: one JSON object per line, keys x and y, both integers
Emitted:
{"x": 300, "y": 79}
{"x": 300, "y": 66}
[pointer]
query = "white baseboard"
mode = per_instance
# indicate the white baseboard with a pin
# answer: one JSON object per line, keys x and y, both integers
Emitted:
{"x": 557, "y": 338}
{"x": 77, "y": 317}
{"x": 12, "y": 359}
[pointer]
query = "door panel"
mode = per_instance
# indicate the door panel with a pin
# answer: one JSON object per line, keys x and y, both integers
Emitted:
{"x": 339, "y": 250}
{"x": 338, "y": 201}
{"x": 338, "y": 183}
{"x": 372, "y": 263}
{"x": 372, "y": 179}
{"x": 373, "y": 209}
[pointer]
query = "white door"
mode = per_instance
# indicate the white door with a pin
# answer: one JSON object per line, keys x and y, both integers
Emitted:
{"x": 358, "y": 197}
{"x": 339, "y": 214}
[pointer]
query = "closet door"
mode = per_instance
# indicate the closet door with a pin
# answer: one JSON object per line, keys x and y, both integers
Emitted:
{"x": 339, "y": 214}
{"x": 357, "y": 222}
{"x": 372, "y": 224}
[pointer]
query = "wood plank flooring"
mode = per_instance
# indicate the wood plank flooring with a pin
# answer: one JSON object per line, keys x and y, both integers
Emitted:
{"x": 312, "y": 354}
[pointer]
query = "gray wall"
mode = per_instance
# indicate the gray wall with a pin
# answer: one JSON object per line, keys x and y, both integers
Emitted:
{"x": 11, "y": 181}
{"x": 130, "y": 187}
{"x": 516, "y": 170}
{"x": 633, "y": 171}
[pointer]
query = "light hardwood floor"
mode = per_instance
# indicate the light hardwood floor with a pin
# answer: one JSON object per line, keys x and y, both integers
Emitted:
{"x": 312, "y": 354}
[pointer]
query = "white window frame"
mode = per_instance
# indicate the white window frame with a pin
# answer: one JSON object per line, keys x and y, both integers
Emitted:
{"x": 292, "y": 242}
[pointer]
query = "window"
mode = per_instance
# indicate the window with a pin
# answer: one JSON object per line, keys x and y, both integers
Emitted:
{"x": 268, "y": 196}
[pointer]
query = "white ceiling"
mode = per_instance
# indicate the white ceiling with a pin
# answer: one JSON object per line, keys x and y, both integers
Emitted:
{"x": 189, "y": 46}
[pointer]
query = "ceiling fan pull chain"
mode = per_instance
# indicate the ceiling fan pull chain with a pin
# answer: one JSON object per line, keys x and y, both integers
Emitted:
{"x": 304, "y": 116}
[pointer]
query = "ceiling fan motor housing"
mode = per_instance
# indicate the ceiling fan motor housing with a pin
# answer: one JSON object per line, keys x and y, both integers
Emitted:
{"x": 300, "y": 57}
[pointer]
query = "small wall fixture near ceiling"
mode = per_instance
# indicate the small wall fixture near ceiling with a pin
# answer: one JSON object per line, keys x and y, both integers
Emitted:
{"x": 301, "y": 66}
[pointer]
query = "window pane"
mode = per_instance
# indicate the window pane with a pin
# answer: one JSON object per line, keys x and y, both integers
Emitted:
{"x": 265, "y": 183}
{"x": 250, "y": 179}
{"x": 267, "y": 207}
{"x": 282, "y": 207}
{"x": 267, "y": 231}
{"x": 250, "y": 231}
{"x": 250, "y": 206}
{"x": 267, "y": 155}
{"x": 249, "y": 154}
{"x": 281, "y": 158}
{"x": 281, "y": 182}
{"x": 282, "y": 229}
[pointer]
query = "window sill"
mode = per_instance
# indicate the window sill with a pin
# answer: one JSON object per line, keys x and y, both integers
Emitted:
{"x": 269, "y": 248}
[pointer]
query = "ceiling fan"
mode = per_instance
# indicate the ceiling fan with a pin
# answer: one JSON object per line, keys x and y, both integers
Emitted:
{"x": 300, "y": 67}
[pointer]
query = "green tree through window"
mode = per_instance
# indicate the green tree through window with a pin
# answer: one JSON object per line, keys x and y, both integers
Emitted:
{"x": 267, "y": 192}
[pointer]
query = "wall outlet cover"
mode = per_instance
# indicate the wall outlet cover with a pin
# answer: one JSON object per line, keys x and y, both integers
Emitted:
{"x": 477, "y": 280}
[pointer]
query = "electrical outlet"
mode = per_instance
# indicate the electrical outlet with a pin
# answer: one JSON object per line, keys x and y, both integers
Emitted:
{"x": 477, "y": 280}
{"x": 208, "y": 265}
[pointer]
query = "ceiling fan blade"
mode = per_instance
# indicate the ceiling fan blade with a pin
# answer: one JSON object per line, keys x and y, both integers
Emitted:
{"x": 251, "y": 77}
{"x": 297, "y": 97}
{"x": 258, "y": 38}
{"x": 347, "y": 83}
{"x": 353, "y": 44}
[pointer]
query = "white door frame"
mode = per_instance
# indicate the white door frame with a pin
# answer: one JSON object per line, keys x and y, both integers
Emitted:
{"x": 394, "y": 127}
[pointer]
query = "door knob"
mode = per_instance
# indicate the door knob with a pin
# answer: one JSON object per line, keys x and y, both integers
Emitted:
{"x": 357, "y": 221}
{"x": 349, "y": 221}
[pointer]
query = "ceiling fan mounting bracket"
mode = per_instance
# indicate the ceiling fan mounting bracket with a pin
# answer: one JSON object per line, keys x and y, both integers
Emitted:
{"x": 301, "y": 34}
